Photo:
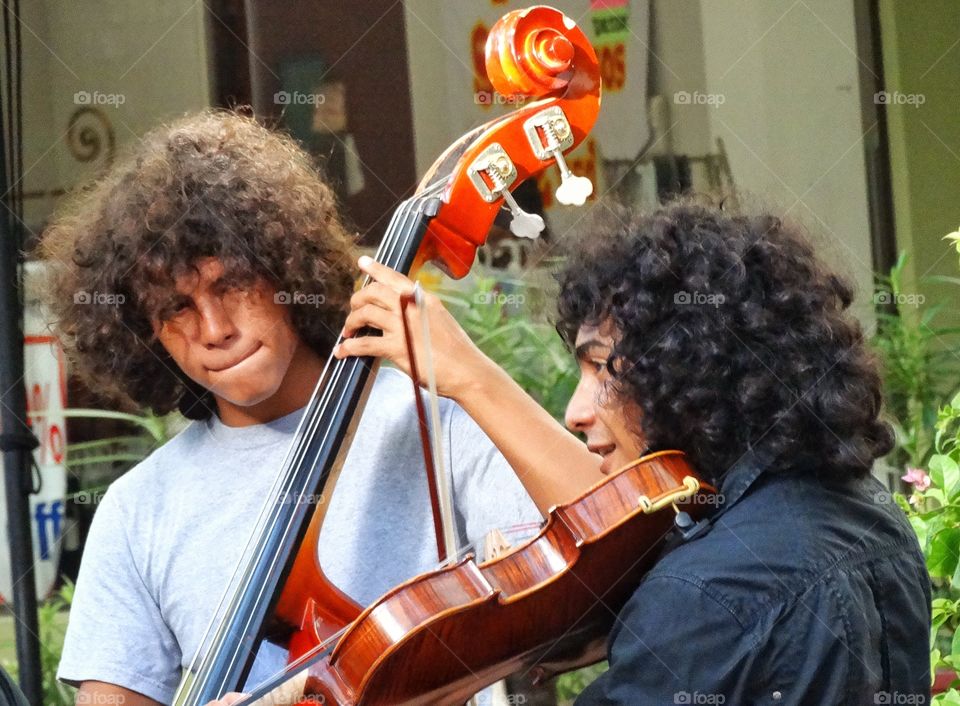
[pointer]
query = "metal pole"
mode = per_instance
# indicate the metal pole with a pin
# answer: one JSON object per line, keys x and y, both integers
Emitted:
{"x": 17, "y": 444}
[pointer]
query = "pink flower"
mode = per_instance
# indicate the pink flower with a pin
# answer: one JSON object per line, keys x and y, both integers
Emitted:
{"x": 918, "y": 477}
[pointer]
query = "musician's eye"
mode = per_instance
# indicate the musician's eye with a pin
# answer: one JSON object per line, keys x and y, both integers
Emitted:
{"x": 175, "y": 308}
{"x": 596, "y": 367}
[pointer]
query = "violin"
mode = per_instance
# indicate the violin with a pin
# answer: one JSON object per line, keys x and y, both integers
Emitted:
{"x": 546, "y": 604}
{"x": 545, "y": 607}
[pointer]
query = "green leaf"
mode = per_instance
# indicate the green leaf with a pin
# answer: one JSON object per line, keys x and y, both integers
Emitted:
{"x": 943, "y": 552}
{"x": 955, "y": 645}
{"x": 935, "y": 494}
{"x": 948, "y": 698}
{"x": 934, "y": 631}
{"x": 920, "y": 528}
{"x": 948, "y": 471}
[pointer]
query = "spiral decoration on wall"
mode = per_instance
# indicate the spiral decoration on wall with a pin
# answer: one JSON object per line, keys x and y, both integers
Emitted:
{"x": 90, "y": 136}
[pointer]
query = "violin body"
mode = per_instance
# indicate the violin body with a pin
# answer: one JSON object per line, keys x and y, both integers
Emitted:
{"x": 545, "y": 606}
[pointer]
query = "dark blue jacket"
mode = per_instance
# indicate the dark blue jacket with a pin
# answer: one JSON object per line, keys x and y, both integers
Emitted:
{"x": 799, "y": 592}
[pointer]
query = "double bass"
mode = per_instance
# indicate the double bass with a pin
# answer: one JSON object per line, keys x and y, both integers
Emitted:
{"x": 545, "y": 605}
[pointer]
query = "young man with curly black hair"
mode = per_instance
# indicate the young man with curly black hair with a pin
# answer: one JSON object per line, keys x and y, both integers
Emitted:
{"x": 209, "y": 272}
{"x": 724, "y": 336}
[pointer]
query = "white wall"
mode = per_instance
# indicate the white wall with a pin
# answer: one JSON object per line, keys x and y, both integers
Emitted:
{"x": 145, "y": 62}
{"x": 791, "y": 118}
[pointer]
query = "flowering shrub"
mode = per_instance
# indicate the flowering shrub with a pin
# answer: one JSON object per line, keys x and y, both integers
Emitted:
{"x": 934, "y": 511}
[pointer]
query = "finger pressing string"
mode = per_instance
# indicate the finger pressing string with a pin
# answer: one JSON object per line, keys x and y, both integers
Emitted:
{"x": 382, "y": 273}
{"x": 367, "y": 315}
{"x": 372, "y": 346}
{"x": 377, "y": 294}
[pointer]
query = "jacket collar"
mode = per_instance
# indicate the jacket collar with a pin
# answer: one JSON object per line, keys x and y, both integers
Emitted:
{"x": 735, "y": 483}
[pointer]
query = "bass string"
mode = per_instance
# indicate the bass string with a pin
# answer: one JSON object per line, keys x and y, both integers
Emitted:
{"x": 388, "y": 254}
{"x": 456, "y": 554}
{"x": 299, "y": 464}
{"x": 213, "y": 641}
{"x": 397, "y": 238}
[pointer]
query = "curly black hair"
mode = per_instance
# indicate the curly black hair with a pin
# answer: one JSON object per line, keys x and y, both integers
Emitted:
{"x": 214, "y": 184}
{"x": 730, "y": 334}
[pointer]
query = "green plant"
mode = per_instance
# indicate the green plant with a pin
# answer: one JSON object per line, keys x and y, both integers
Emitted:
{"x": 954, "y": 238}
{"x": 920, "y": 361}
{"x": 51, "y": 619}
{"x": 508, "y": 322}
{"x": 83, "y": 459}
{"x": 117, "y": 453}
{"x": 933, "y": 507}
{"x": 934, "y": 512}
{"x": 570, "y": 685}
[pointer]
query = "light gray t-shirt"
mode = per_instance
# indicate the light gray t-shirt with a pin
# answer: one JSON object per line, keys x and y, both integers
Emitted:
{"x": 168, "y": 535}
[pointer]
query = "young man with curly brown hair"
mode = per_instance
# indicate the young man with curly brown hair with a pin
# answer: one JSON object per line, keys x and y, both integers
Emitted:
{"x": 723, "y": 336}
{"x": 209, "y": 272}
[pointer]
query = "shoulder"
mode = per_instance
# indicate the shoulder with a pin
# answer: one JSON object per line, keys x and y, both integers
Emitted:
{"x": 395, "y": 388}
{"x": 135, "y": 504}
{"x": 159, "y": 467}
{"x": 673, "y": 636}
{"x": 793, "y": 588}
{"x": 392, "y": 405}
{"x": 794, "y": 539}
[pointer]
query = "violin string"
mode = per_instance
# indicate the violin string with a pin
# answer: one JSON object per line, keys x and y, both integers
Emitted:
{"x": 254, "y": 548}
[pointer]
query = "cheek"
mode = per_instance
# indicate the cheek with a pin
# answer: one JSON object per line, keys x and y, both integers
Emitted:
{"x": 175, "y": 342}
{"x": 279, "y": 333}
{"x": 275, "y": 330}
{"x": 623, "y": 421}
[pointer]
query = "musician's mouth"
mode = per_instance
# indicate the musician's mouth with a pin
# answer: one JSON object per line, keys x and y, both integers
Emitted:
{"x": 237, "y": 362}
{"x": 605, "y": 451}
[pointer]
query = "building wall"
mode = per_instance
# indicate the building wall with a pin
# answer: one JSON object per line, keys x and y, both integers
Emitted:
{"x": 791, "y": 119}
{"x": 778, "y": 83}
{"x": 364, "y": 47}
{"x": 921, "y": 56}
{"x": 116, "y": 72}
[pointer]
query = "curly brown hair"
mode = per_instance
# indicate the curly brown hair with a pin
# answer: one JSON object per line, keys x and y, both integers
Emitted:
{"x": 734, "y": 335}
{"x": 214, "y": 184}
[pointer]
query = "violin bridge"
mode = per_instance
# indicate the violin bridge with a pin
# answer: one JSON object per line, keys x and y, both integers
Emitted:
{"x": 495, "y": 545}
{"x": 690, "y": 488}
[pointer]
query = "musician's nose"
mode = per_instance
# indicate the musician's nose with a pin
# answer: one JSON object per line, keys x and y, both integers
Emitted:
{"x": 216, "y": 325}
{"x": 581, "y": 411}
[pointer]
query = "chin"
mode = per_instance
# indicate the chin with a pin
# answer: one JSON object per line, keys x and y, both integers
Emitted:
{"x": 614, "y": 462}
{"x": 243, "y": 394}
{"x": 249, "y": 398}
